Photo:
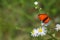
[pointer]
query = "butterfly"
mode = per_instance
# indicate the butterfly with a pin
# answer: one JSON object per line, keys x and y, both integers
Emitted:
{"x": 44, "y": 18}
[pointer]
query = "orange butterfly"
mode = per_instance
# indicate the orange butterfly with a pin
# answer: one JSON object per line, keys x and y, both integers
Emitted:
{"x": 44, "y": 18}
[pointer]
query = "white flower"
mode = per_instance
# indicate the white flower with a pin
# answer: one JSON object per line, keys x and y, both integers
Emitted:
{"x": 34, "y": 33}
{"x": 42, "y": 31}
{"x": 39, "y": 31}
{"x": 57, "y": 27}
{"x": 36, "y": 3}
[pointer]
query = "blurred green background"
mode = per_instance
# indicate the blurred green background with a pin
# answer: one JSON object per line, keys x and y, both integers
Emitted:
{"x": 18, "y": 17}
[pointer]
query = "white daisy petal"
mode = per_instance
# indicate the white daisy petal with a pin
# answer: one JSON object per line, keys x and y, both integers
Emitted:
{"x": 34, "y": 33}
{"x": 57, "y": 27}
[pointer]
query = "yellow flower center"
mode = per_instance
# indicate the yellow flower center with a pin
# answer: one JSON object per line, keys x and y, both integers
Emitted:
{"x": 40, "y": 30}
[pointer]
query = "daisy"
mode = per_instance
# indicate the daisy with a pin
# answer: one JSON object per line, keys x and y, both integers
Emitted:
{"x": 42, "y": 31}
{"x": 57, "y": 27}
{"x": 34, "y": 33}
{"x": 39, "y": 31}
